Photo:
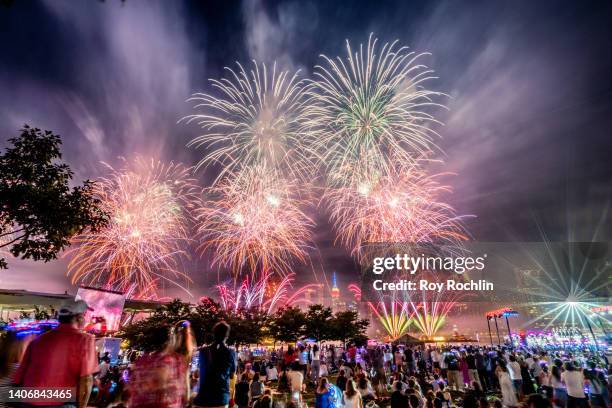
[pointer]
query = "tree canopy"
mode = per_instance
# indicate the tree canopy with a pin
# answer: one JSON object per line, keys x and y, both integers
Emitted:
{"x": 248, "y": 326}
{"x": 39, "y": 211}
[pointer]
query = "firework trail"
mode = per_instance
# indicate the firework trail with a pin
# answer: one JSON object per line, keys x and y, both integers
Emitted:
{"x": 394, "y": 317}
{"x": 393, "y": 314}
{"x": 429, "y": 316}
{"x": 150, "y": 205}
{"x": 255, "y": 121}
{"x": 254, "y": 223}
{"x": 402, "y": 206}
{"x": 370, "y": 106}
{"x": 424, "y": 310}
{"x": 264, "y": 294}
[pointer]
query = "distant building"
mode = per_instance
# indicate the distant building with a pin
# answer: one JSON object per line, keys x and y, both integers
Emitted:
{"x": 337, "y": 305}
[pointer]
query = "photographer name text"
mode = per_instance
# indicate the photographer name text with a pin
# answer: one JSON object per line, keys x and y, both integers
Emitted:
{"x": 426, "y": 285}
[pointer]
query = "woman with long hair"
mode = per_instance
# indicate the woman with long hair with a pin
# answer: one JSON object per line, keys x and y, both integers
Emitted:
{"x": 365, "y": 388}
{"x": 315, "y": 365}
{"x": 184, "y": 340}
{"x": 505, "y": 383}
{"x": 161, "y": 365}
{"x": 351, "y": 398}
{"x": 184, "y": 345}
{"x": 545, "y": 382}
{"x": 380, "y": 382}
{"x": 256, "y": 388}
{"x": 322, "y": 394}
{"x": 241, "y": 392}
{"x": 558, "y": 386}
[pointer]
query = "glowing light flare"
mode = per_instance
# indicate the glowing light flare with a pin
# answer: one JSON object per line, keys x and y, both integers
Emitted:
{"x": 429, "y": 317}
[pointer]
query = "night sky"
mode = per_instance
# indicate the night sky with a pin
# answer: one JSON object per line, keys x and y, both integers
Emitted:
{"x": 527, "y": 132}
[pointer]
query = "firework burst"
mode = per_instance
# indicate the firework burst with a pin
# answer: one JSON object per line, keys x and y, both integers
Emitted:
{"x": 370, "y": 106}
{"x": 256, "y": 121}
{"x": 264, "y": 294}
{"x": 150, "y": 205}
{"x": 254, "y": 223}
{"x": 393, "y": 316}
{"x": 401, "y": 206}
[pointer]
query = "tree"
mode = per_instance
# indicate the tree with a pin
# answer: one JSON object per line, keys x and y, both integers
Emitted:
{"x": 348, "y": 327}
{"x": 318, "y": 323}
{"x": 145, "y": 334}
{"x": 247, "y": 326}
{"x": 205, "y": 315}
{"x": 287, "y": 324}
{"x": 39, "y": 212}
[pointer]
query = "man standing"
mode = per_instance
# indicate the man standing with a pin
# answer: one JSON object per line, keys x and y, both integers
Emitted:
{"x": 470, "y": 360}
{"x": 481, "y": 368}
{"x": 454, "y": 372}
{"x": 217, "y": 370}
{"x": 574, "y": 381}
{"x": 514, "y": 368}
{"x": 63, "y": 358}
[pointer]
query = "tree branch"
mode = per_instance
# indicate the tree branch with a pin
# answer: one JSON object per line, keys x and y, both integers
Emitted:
{"x": 13, "y": 241}
{"x": 11, "y": 232}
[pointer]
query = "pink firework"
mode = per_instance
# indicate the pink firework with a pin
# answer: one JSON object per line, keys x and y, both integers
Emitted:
{"x": 254, "y": 223}
{"x": 263, "y": 294}
{"x": 402, "y": 206}
{"x": 151, "y": 206}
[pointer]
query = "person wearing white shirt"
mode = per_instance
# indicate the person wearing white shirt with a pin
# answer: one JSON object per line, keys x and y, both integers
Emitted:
{"x": 514, "y": 369}
{"x": 574, "y": 382}
{"x": 435, "y": 358}
{"x": 399, "y": 359}
{"x": 271, "y": 372}
{"x": 388, "y": 358}
{"x": 103, "y": 368}
{"x": 296, "y": 381}
{"x": 323, "y": 371}
{"x": 315, "y": 366}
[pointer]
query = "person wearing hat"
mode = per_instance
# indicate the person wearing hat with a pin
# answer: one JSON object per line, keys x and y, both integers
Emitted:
{"x": 64, "y": 358}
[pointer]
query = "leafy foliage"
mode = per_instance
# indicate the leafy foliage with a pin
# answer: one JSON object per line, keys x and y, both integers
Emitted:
{"x": 319, "y": 323}
{"x": 247, "y": 326}
{"x": 39, "y": 212}
{"x": 146, "y": 334}
{"x": 287, "y": 324}
{"x": 348, "y": 327}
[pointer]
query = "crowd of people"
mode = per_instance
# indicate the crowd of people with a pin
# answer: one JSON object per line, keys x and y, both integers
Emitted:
{"x": 176, "y": 373}
{"x": 437, "y": 377}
